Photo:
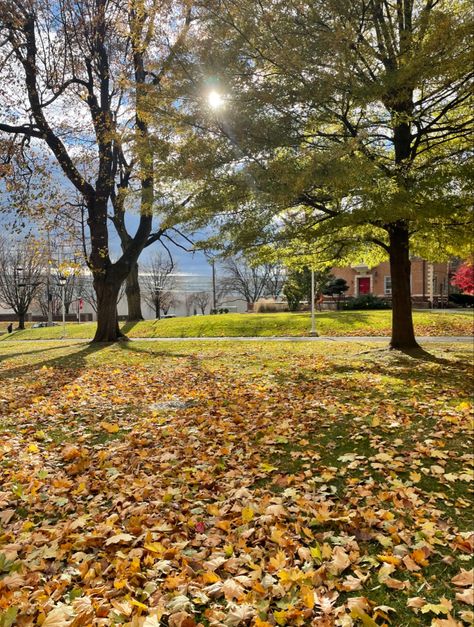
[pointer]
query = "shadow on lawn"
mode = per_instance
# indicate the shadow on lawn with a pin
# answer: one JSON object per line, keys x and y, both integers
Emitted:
{"x": 423, "y": 367}
{"x": 76, "y": 359}
{"x": 152, "y": 352}
{"x": 422, "y": 355}
{"x": 6, "y": 356}
{"x": 128, "y": 326}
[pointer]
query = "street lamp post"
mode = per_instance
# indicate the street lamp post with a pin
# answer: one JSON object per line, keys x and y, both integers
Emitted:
{"x": 214, "y": 297}
{"x": 62, "y": 282}
{"x": 313, "y": 331}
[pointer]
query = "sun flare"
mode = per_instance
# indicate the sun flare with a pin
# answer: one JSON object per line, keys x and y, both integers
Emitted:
{"x": 215, "y": 99}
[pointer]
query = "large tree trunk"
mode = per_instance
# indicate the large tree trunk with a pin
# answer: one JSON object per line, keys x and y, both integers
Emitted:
{"x": 21, "y": 320}
{"x": 132, "y": 290}
{"x": 403, "y": 335}
{"x": 107, "y": 292}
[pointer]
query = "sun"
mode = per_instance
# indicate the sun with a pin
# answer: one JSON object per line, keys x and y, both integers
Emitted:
{"x": 215, "y": 99}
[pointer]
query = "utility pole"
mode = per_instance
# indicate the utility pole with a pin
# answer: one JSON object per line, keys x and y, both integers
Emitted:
{"x": 214, "y": 298}
{"x": 48, "y": 285}
{"x": 313, "y": 331}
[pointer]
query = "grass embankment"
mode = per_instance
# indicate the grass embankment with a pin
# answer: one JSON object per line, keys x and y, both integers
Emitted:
{"x": 357, "y": 323}
{"x": 240, "y": 484}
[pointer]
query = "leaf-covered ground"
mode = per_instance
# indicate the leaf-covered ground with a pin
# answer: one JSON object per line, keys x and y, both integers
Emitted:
{"x": 330, "y": 323}
{"x": 264, "y": 484}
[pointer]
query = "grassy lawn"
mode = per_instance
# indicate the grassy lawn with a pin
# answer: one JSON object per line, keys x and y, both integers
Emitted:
{"x": 358, "y": 323}
{"x": 267, "y": 484}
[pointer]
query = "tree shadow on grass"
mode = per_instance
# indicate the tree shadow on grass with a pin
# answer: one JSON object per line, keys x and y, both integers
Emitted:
{"x": 77, "y": 360}
{"x": 421, "y": 354}
{"x": 6, "y": 356}
{"x": 128, "y": 326}
{"x": 133, "y": 348}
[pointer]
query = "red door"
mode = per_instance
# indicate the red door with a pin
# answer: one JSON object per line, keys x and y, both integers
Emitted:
{"x": 363, "y": 284}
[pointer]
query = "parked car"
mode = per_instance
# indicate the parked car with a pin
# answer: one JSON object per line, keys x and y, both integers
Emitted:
{"x": 40, "y": 325}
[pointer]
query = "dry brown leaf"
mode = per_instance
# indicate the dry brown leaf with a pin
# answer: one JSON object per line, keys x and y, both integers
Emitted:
{"x": 181, "y": 619}
{"x": 60, "y": 616}
{"x": 339, "y": 562}
{"x": 464, "y": 578}
{"x": 232, "y": 590}
{"x": 466, "y": 596}
{"x": 120, "y": 538}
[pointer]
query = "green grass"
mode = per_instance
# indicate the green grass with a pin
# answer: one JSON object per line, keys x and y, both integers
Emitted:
{"x": 299, "y": 424}
{"x": 358, "y": 323}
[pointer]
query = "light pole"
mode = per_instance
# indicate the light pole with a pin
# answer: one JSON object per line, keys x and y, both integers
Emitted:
{"x": 214, "y": 298}
{"x": 313, "y": 331}
{"x": 62, "y": 282}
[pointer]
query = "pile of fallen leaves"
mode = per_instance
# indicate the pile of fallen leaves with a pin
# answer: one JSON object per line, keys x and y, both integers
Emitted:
{"x": 318, "y": 491}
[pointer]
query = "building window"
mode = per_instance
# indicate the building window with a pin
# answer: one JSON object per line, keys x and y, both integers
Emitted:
{"x": 387, "y": 285}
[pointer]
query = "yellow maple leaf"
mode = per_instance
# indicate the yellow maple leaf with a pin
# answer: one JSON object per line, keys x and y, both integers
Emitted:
{"x": 280, "y": 617}
{"x": 247, "y": 514}
{"x": 210, "y": 577}
{"x": 155, "y": 547}
{"x": 307, "y": 596}
{"x": 109, "y": 427}
{"x": 389, "y": 559}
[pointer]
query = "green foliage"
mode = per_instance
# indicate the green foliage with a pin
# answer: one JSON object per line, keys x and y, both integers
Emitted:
{"x": 366, "y": 301}
{"x": 336, "y": 287}
{"x": 298, "y": 285}
{"x": 463, "y": 300}
{"x": 340, "y": 120}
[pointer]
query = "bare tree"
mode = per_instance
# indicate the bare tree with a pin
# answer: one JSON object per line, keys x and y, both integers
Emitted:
{"x": 189, "y": 302}
{"x": 201, "y": 300}
{"x": 168, "y": 300}
{"x": 101, "y": 60}
{"x": 158, "y": 282}
{"x": 276, "y": 277}
{"x": 21, "y": 269}
{"x": 249, "y": 281}
{"x": 70, "y": 290}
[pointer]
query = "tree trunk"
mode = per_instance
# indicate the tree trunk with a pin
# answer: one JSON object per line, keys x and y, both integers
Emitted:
{"x": 21, "y": 320}
{"x": 132, "y": 291}
{"x": 157, "y": 310}
{"x": 107, "y": 292}
{"x": 403, "y": 335}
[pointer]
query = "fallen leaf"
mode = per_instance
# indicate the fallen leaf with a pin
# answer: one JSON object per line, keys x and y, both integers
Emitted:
{"x": 120, "y": 538}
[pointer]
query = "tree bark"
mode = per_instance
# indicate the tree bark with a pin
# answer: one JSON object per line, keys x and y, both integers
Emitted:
{"x": 21, "y": 320}
{"x": 132, "y": 291}
{"x": 403, "y": 335}
{"x": 107, "y": 291}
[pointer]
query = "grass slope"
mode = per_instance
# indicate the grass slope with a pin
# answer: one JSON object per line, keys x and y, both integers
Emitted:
{"x": 263, "y": 325}
{"x": 234, "y": 484}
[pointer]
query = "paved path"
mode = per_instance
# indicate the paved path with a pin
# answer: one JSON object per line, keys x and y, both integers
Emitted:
{"x": 325, "y": 338}
{"x": 340, "y": 339}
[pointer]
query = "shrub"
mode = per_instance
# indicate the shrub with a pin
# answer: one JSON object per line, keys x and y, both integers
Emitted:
{"x": 366, "y": 301}
{"x": 268, "y": 305}
{"x": 462, "y": 300}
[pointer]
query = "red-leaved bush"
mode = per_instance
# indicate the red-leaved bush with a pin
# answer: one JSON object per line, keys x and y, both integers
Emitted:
{"x": 464, "y": 278}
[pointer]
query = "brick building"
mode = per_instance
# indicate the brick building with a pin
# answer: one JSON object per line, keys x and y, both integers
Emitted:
{"x": 429, "y": 281}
